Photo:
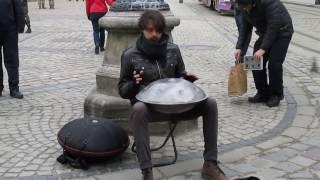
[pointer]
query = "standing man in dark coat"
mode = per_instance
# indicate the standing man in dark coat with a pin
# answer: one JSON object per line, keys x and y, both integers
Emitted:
{"x": 11, "y": 22}
{"x": 274, "y": 27}
{"x": 26, "y": 16}
{"x": 153, "y": 58}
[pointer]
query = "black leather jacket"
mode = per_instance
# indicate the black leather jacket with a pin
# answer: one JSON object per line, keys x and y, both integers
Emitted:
{"x": 271, "y": 20}
{"x": 170, "y": 66}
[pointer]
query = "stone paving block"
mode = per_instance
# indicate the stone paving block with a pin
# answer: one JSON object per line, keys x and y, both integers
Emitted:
{"x": 274, "y": 142}
{"x": 301, "y": 100}
{"x": 302, "y": 161}
{"x": 294, "y": 132}
{"x": 180, "y": 167}
{"x": 316, "y": 174}
{"x": 299, "y": 146}
{"x": 301, "y": 175}
{"x": 134, "y": 174}
{"x": 268, "y": 173}
{"x": 306, "y": 110}
{"x": 302, "y": 121}
{"x": 32, "y": 167}
{"x": 27, "y": 173}
{"x": 316, "y": 167}
{"x": 276, "y": 156}
{"x": 313, "y": 153}
{"x": 260, "y": 163}
{"x": 238, "y": 154}
{"x": 243, "y": 168}
{"x": 313, "y": 142}
{"x": 287, "y": 167}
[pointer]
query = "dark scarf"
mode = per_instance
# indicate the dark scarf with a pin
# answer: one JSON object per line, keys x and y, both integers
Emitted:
{"x": 153, "y": 49}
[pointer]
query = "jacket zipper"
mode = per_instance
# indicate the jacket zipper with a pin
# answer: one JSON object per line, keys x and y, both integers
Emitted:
{"x": 159, "y": 69}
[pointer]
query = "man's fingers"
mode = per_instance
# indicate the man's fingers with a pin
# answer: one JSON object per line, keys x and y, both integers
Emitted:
{"x": 138, "y": 80}
{"x": 136, "y": 76}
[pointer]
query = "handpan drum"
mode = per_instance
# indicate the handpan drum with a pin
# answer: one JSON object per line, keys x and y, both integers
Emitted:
{"x": 171, "y": 95}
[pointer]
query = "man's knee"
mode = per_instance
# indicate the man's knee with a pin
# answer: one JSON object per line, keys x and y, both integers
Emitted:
{"x": 212, "y": 102}
{"x": 139, "y": 107}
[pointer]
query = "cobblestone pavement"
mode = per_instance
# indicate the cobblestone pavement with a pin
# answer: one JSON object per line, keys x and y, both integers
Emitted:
{"x": 58, "y": 70}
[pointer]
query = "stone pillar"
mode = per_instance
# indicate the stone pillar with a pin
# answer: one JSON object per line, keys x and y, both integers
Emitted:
{"x": 122, "y": 27}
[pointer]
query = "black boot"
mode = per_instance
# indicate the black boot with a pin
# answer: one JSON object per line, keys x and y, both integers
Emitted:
{"x": 15, "y": 93}
{"x": 1, "y": 89}
{"x": 96, "y": 50}
{"x": 274, "y": 101}
{"x": 258, "y": 98}
{"x": 28, "y": 30}
{"x": 147, "y": 174}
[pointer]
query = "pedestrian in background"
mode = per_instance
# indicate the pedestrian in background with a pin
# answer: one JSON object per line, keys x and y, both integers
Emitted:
{"x": 41, "y": 4}
{"x": 11, "y": 22}
{"x": 26, "y": 16}
{"x": 95, "y": 10}
{"x": 274, "y": 27}
{"x": 51, "y": 4}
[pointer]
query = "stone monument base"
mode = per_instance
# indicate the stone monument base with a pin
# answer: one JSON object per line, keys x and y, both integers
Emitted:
{"x": 118, "y": 109}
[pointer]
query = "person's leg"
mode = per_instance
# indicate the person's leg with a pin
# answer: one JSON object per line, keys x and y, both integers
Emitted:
{"x": 101, "y": 35}
{"x": 209, "y": 111}
{"x": 1, "y": 70}
{"x": 260, "y": 79}
{"x": 51, "y": 4}
{"x": 94, "y": 17}
{"x": 11, "y": 62}
{"x": 102, "y": 39}
{"x": 27, "y": 21}
{"x": 140, "y": 117}
{"x": 139, "y": 123}
{"x": 276, "y": 56}
{"x": 42, "y": 4}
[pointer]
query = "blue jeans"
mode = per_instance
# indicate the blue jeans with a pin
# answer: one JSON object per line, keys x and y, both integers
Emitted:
{"x": 98, "y": 33}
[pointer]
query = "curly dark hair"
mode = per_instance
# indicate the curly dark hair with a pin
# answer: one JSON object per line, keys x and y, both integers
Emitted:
{"x": 155, "y": 18}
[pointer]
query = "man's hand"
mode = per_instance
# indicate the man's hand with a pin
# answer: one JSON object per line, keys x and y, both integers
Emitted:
{"x": 190, "y": 76}
{"x": 258, "y": 55}
{"x": 237, "y": 54}
{"x": 137, "y": 76}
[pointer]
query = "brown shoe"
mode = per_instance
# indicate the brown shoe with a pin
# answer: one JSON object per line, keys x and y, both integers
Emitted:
{"x": 211, "y": 171}
{"x": 147, "y": 174}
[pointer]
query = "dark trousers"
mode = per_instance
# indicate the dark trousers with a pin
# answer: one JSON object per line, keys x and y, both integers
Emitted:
{"x": 275, "y": 58}
{"x": 9, "y": 46}
{"x": 142, "y": 115}
{"x": 26, "y": 17}
{"x": 98, "y": 33}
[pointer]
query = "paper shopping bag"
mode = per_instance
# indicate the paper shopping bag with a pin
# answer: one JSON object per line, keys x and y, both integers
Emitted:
{"x": 237, "y": 84}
